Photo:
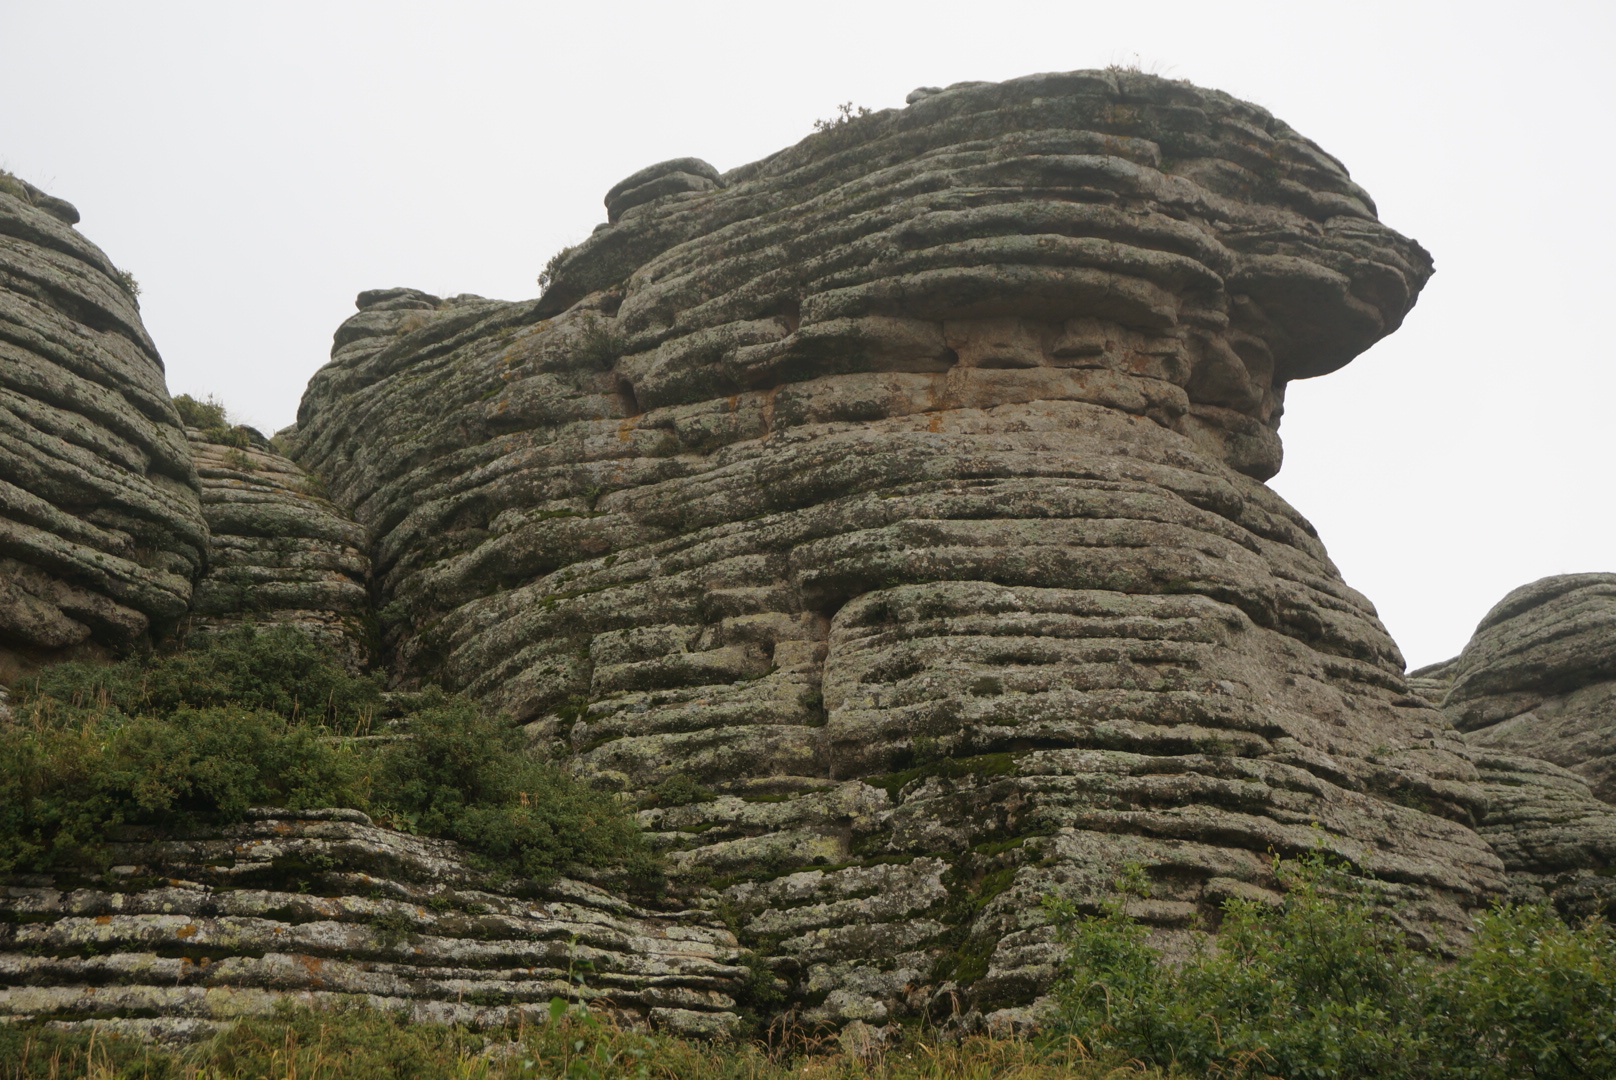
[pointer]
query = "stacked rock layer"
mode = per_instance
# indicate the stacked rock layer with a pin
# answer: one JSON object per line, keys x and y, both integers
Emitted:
{"x": 279, "y": 551}
{"x": 101, "y": 534}
{"x": 1534, "y": 694}
{"x": 323, "y": 908}
{"x": 886, "y": 516}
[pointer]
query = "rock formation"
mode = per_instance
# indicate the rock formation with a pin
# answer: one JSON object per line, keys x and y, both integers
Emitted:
{"x": 101, "y": 534}
{"x": 884, "y": 519}
{"x": 1539, "y": 677}
{"x": 324, "y": 908}
{"x": 279, "y": 551}
{"x": 885, "y": 515}
{"x": 1534, "y": 693}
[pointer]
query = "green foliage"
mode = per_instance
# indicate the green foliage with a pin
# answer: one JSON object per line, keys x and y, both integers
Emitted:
{"x": 547, "y": 276}
{"x": 1534, "y": 997}
{"x": 206, "y": 413}
{"x": 600, "y": 344}
{"x": 127, "y": 282}
{"x": 564, "y": 1042}
{"x": 680, "y": 789}
{"x": 469, "y": 778}
{"x": 276, "y": 669}
{"x": 1326, "y": 986}
{"x": 246, "y": 720}
{"x": 14, "y": 187}
{"x": 846, "y": 113}
{"x": 65, "y": 789}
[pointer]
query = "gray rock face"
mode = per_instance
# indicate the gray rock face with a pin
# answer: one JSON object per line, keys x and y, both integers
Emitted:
{"x": 320, "y": 907}
{"x": 1534, "y": 693}
{"x": 887, "y": 518}
{"x": 101, "y": 533}
{"x": 279, "y": 551}
{"x": 1539, "y": 677}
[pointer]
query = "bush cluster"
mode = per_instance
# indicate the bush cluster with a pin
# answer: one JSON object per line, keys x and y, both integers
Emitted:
{"x": 1325, "y": 985}
{"x": 257, "y": 718}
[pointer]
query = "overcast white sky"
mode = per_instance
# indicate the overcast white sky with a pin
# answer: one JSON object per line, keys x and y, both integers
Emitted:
{"x": 257, "y": 165}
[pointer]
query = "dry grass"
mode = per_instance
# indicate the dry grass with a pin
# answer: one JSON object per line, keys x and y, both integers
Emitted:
{"x": 364, "y": 1045}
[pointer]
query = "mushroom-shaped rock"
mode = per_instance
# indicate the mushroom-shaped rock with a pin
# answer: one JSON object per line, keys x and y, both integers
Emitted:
{"x": 101, "y": 534}
{"x": 889, "y": 522}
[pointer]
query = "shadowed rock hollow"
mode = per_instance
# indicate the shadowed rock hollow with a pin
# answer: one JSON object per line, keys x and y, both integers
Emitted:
{"x": 886, "y": 517}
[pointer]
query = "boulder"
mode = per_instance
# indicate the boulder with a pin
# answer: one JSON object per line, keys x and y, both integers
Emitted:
{"x": 101, "y": 532}
{"x": 887, "y": 520}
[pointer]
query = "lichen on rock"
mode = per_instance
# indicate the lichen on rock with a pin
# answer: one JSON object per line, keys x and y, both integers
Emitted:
{"x": 101, "y": 533}
{"x": 902, "y": 491}
{"x": 280, "y": 553}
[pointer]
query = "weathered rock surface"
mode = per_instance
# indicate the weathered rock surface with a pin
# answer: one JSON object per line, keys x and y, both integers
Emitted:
{"x": 1539, "y": 677}
{"x": 101, "y": 534}
{"x": 1534, "y": 693}
{"x": 322, "y": 907}
{"x": 887, "y": 516}
{"x": 279, "y": 551}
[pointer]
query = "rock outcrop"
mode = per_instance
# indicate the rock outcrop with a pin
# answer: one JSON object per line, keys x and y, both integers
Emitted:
{"x": 324, "y": 908}
{"x": 1539, "y": 677}
{"x": 101, "y": 534}
{"x": 1534, "y": 694}
{"x": 886, "y": 516}
{"x": 279, "y": 551}
{"x": 884, "y": 519}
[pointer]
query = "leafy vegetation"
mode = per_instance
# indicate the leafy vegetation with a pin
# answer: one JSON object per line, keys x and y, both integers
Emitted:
{"x": 366, "y": 1045}
{"x": 846, "y": 113}
{"x": 208, "y": 412}
{"x": 1324, "y": 985}
{"x": 248, "y": 719}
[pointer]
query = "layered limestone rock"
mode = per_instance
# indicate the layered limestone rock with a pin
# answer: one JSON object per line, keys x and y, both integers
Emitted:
{"x": 1534, "y": 693}
{"x": 279, "y": 551}
{"x": 1539, "y": 677}
{"x": 886, "y": 517}
{"x": 324, "y": 908}
{"x": 101, "y": 533}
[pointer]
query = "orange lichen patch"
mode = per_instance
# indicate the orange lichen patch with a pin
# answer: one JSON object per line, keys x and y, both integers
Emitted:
{"x": 103, "y": 920}
{"x": 186, "y": 931}
{"x": 625, "y": 430}
{"x": 282, "y": 828}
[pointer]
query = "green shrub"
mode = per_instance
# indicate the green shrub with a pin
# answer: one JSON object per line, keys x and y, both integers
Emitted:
{"x": 467, "y": 777}
{"x": 363, "y": 1044}
{"x": 246, "y": 720}
{"x": 275, "y": 669}
{"x": 208, "y": 412}
{"x": 1326, "y": 986}
{"x": 64, "y": 790}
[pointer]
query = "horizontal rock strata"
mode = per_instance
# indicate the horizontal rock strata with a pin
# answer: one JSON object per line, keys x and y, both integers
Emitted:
{"x": 886, "y": 518}
{"x": 101, "y": 535}
{"x": 1539, "y": 677}
{"x": 280, "y": 553}
{"x": 323, "y": 908}
{"x": 1534, "y": 694}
